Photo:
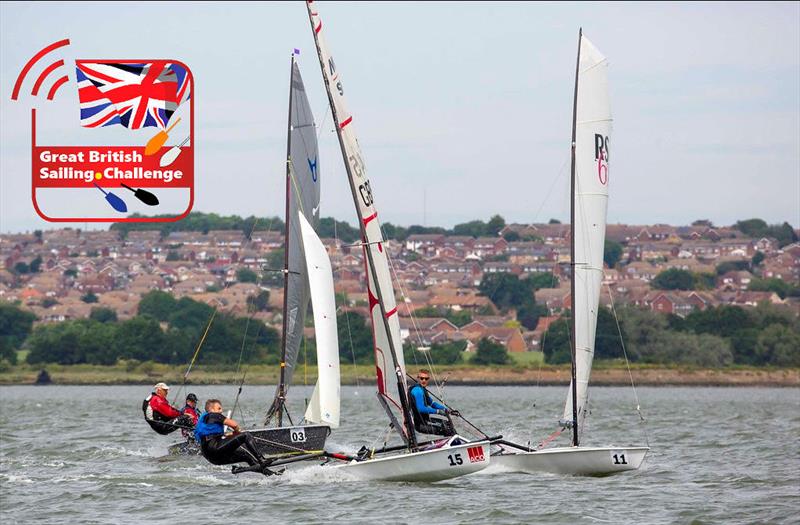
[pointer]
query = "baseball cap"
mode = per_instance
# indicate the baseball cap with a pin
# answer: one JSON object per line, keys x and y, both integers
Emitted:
{"x": 161, "y": 385}
{"x": 191, "y": 397}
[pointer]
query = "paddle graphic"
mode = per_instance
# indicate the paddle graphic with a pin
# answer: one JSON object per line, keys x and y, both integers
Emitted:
{"x": 143, "y": 195}
{"x": 115, "y": 202}
{"x": 158, "y": 140}
{"x": 170, "y": 156}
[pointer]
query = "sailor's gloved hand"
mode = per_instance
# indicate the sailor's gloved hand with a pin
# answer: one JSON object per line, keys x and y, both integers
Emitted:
{"x": 454, "y": 413}
{"x": 441, "y": 412}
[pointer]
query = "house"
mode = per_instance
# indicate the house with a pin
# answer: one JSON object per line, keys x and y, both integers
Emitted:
{"x": 425, "y": 243}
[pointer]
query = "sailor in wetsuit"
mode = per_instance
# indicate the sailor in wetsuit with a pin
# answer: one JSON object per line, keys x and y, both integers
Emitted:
{"x": 425, "y": 409}
{"x": 160, "y": 415}
{"x": 220, "y": 449}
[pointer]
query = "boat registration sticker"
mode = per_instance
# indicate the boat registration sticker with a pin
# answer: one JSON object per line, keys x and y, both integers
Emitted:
{"x": 475, "y": 454}
{"x": 297, "y": 435}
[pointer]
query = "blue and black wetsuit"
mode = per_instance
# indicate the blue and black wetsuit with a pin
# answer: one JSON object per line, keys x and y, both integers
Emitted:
{"x": 422, "y": 407}
{"x": 221, "y": 450}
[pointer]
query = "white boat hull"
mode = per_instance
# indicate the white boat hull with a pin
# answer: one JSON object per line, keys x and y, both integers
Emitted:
{"x": 449, "y": 461}
{"x": 576, "y": 461}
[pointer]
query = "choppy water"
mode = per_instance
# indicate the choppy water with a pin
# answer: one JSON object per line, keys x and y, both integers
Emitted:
{"x": 84, "y": 455}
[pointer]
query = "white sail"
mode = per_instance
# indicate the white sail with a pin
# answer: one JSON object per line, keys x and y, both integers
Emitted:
{"x": 593, "y": 128}
{"x": 385, "y": 324}
{"x": 324, "y": 405}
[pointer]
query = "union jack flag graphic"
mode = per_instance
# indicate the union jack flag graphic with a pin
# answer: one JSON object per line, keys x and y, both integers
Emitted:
{"x": 134, "y": 95}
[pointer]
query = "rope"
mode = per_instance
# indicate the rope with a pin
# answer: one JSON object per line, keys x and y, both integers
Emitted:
{"x": 550, "y": 438}
{"x": 628, "y": 366}
{"x": 196, "y": 352}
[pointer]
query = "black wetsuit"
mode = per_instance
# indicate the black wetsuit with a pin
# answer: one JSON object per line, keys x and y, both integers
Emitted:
{"x": 221, "y": 450}
{"x": 424, "y": 412}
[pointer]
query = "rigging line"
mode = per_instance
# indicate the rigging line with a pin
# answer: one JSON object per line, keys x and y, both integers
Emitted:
{"x": 347, "y": 317}
{"x": 196, "y": 352}
{"x": 628, "y": 366}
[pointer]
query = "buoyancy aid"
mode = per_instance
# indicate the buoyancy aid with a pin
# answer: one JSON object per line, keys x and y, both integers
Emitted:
{"x": 154, "y": 419}
{"x": 419, "y": 417}
{"x": 204, "y": 429}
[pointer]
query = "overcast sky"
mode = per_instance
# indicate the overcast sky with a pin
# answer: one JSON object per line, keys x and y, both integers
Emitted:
{"x": 463, "y": 110}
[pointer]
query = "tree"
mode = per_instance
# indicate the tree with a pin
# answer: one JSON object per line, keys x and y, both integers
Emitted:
{"x": 543, "y": 280}
{"x": 471, "y": 228}
{"x": 245, "y": 275}
{"x": 89, "y": 297}
{"x": 7, "y": 353}
{"x": 784, "y": 233}
{"x": 732, "y": 266}
{"x": 703, "y": 222}
{"x": 21, "y": 268}
{"x": 612, "y": 253}
{"x": 490, "y": 353}
{"x": 47, "y": 302}
{"x": 608, "y": 339}
{"x": 752, "y": 227}
{"x": 511, "y": 236}
{"x": 173, "y": 255}
{"x": 779, "y": 346}
{"x": 555, "y": 342}
{"x": 70, "y": 272}
{"x": 36, "y": 264}
{"x": 355, "y": 338}
{"x": 506, "y": 290}
{"x": 529, "y": 313}
{"x": 15, "y": 325}
{"x": 157, "y": 304}
{"x": 260, "y": 302}
{"x": 274, "y": 277}
{"x": 554, "y": 221}
{"x": 103, "y": 315}
{"x": 495, "y": 224}
{"x": 757, "y": 259}
{"x": 673, "y": 279}
{"x": 779, "y": 286}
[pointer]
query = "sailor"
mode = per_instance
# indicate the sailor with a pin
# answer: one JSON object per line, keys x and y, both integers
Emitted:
{"x": 221, "y": 449}
{"x": 190, "y": 410}
{"x": 160, "y": 415}
{"x": 428, "y": 413}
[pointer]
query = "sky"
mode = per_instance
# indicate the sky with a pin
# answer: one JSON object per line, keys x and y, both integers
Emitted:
{"x": 462, "y": 110}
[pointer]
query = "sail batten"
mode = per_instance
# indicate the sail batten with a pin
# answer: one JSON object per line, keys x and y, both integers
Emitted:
{"x": 590, "y": 198}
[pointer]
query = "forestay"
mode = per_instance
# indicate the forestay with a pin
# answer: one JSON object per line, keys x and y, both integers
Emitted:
{"x": 593, "y": 128}
{"x": 385, "y": 324}
{"x": 324, "y": 405}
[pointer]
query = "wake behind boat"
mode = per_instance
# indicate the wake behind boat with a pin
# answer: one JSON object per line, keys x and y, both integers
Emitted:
{"x": 591, "y": 127}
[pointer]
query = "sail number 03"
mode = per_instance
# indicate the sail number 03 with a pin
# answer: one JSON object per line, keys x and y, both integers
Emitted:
{"x": 297, "y": 435}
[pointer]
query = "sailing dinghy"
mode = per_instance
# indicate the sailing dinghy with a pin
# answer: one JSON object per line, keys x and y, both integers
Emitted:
{"x": 591, "y": 127}
{"x": 307, "y": 275}
{"x": 432, "y": 461}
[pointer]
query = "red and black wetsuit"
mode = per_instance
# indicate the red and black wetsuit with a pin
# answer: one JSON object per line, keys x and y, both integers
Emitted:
{"x": 161, "y": 416}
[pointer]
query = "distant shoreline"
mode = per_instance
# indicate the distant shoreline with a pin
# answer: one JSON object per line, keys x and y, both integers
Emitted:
{"x": 458, "y": 375}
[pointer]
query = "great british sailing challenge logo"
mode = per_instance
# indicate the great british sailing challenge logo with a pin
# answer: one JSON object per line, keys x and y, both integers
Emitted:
{"x": 118, "y": 169}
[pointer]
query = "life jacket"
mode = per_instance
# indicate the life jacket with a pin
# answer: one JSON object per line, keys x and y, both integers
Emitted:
{"x": 190, "y": 411}
{"x": 154, "y": 419}
{"x": 204, "y": 429}
{"x": 419, "y": 417}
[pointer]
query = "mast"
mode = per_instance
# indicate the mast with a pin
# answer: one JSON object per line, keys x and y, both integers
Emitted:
{"x": 362, "y": 221}
{"x": 280, "y": 396}
{"x": 573, "y": 331}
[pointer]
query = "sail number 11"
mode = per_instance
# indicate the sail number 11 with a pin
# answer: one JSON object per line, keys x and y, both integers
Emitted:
{"x": 619, "y": 459}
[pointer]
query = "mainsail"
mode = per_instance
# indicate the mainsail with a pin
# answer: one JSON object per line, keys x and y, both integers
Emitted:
{"x": 390, "y": 366}
{"x": 302, "y": 198}
{"x": 591, "y": 131}
{"x": 324, "y": 405}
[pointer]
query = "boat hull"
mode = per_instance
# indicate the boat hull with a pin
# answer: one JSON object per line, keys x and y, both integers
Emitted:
{"x": 184, "y": 448}
{"x": 449, "y": 461}
{"x": 575, "y": 461}
{"x": 290, "y": 441}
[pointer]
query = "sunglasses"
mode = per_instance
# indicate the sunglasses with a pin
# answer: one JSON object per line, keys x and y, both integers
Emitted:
{"x": 423, "y": 378}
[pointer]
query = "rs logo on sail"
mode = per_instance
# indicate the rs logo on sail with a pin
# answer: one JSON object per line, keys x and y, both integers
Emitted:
{"x": 601, "y": 156}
